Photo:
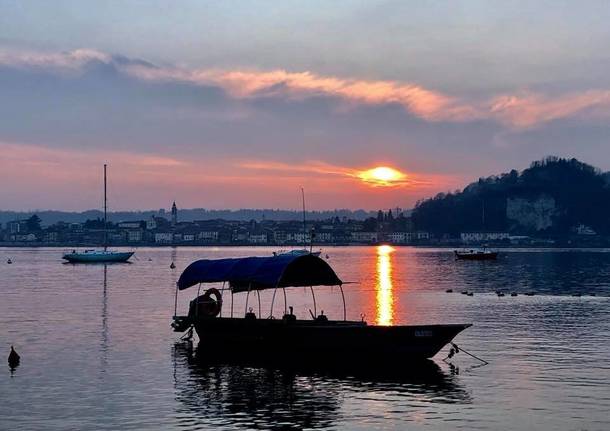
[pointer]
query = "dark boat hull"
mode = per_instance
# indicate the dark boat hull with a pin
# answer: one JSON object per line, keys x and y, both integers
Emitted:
{"x": 476, "y": 256}
{"x": 310, "y": 341}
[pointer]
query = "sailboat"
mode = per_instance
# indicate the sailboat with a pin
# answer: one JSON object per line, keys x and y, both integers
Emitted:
{"x": 96, "y": 256}
{"x": 301, "y": 251}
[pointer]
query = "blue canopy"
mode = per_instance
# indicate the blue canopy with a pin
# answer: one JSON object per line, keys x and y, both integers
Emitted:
{"x": 257, "y": 273}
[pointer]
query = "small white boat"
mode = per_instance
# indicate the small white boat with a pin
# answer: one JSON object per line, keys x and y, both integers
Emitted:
{"x": 90, "y": 256}
{"x": 95, "y": 256}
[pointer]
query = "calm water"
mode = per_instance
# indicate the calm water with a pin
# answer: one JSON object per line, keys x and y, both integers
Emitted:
{"x": 97, "y": 350}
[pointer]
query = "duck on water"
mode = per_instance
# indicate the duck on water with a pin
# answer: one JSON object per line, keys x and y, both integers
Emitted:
{"x": 289, "y": 338}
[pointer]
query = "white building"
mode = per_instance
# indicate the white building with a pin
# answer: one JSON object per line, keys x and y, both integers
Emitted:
{"x": 164, "y": 237}
{"x": 260, "y": 238}
{"x": 468, "y": 237}
{"x": 134, "y": 235}
{"x": 207, "y": 235}
{"x": 366, "y": 237}
{"x": 129, "y": 225}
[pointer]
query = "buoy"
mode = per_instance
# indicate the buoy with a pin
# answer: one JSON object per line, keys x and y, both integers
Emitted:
{"x": 9, "y": 261}
{"x": 449, "y": 290}
{"x": 13, "y": 358}
{"x": 470, "y": 294}
{"x": 500, "y": 294}
{"x": 513, "y": 294}
{"x": 172, "y": 266}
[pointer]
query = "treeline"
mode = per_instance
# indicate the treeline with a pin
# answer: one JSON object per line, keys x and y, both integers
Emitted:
{"x": 49, "y": 217}
{"x": 581, "y": 193}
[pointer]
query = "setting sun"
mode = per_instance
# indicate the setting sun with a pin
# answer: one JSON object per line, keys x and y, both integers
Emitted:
{"x": 382, "y": 176}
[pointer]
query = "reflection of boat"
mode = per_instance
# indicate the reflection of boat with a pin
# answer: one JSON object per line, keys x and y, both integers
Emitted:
{"x": 240, "y": 393}
{"x": 316, "y": 340}
{"x": 476, "y": 254}
{"x": 105, "y": 255}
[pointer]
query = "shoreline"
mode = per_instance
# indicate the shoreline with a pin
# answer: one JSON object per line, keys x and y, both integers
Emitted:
{"x": 314, "y": 248}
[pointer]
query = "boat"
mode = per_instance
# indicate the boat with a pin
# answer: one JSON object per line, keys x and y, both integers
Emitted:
{"x": 296, "y": 252}
{"x": 302, "y": 251}
{"x": 476, "y": 254}
{"x": 319, "y": 339}
{"x": 99, "y": 256}
{"x": 91, "y": 255}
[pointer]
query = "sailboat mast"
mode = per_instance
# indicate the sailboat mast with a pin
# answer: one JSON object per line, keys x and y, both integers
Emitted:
{"x": 304, "y": 222}
{"x": 105, "y": 213}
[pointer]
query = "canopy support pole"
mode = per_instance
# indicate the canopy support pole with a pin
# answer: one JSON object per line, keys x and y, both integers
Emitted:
{"x": 231, "y": 304}
{"x": 247, "y": 297}
{"x": 176, "y": 301}
{"x": 272, "y": 301}
{"x": 315, "y": 310}
{"x": 197, "y": 303}
{"x": 258, "y": 294}
{"x": 285, "y": 302}
{"x": 344, "y": 310}
{"x": 222, "y": 291}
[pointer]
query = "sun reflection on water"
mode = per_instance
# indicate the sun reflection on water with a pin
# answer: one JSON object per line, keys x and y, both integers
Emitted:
{"x": 385, "y": 295}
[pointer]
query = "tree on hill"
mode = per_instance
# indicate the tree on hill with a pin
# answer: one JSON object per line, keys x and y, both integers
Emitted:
{"x": 581, "y": 194}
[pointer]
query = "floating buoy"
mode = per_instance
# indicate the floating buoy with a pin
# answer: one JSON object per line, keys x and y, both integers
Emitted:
{"x": 464, "y": 292}
{"x": 9, "y": 261}
{"x": 13, "y": 359}
{"x": 500, "y": 294}
{"x": 172, "y": 266}
{"x": 449, "y": 290}
{"x": 513, "y": 294}
{"x": 470, "y": 294}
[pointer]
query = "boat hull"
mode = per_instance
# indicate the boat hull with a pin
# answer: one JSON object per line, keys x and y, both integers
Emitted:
{"x": 476, "y": 256}
{"x": 310, "y": 341}
{"x": 98, "y": 257}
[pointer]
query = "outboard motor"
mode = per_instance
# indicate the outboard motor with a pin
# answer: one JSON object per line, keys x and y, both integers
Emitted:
{"x": 289, "y": 317}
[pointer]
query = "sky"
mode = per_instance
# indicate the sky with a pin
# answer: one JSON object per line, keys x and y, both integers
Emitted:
{"x": 233, "y": 104}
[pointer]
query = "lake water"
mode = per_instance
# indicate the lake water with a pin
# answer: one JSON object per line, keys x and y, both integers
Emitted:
{"x": 98, "y": 352}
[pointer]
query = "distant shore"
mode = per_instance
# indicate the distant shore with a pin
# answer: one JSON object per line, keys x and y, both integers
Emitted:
{"x": 316, "y": 247}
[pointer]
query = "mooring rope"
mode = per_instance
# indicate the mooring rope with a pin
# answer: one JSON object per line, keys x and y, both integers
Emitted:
{"x": 455, "y": 349}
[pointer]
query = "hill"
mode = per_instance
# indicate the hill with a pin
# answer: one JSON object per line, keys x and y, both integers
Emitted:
{"x": 553, "y": 196}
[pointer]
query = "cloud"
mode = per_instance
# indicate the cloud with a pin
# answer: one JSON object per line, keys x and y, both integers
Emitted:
{"x": 521, "y": 110}
{"x": 530, "y": 109}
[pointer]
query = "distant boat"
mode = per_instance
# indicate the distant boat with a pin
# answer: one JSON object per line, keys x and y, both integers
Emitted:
{"x": 475, "y": 254}
{"x": 97, "y": 256}
{"x": 296, "y": 252}
{"x": 302, "y": 251}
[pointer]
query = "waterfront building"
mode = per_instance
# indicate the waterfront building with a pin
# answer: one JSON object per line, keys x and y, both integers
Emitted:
{"x": 476, "y": 237}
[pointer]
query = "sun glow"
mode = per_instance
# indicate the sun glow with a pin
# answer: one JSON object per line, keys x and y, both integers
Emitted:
{"x": 382, "y": 176}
